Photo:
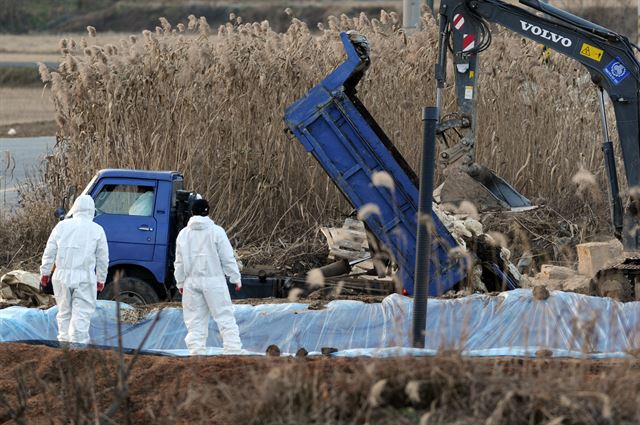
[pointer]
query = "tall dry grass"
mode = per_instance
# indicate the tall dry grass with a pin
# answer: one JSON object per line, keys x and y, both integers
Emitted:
{"x": 210, "y": 104}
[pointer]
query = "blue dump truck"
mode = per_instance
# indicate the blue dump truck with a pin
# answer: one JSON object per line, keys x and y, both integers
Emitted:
{"x": 143, "y": 211}
{"x": 335, "y": 127}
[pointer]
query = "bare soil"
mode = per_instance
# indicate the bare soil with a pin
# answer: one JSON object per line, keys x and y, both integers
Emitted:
{"x": 25, "y": 105}
{"x": 47, "y": 385}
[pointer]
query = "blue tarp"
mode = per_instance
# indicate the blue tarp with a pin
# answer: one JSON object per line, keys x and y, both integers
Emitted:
{"x": 512, "y": 323}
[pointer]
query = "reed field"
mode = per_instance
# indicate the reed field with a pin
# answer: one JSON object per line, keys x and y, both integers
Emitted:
{"x": 210, "y": 103}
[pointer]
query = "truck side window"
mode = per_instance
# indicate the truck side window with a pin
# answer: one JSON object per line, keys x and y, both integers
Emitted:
{"x": 123, "y": 199}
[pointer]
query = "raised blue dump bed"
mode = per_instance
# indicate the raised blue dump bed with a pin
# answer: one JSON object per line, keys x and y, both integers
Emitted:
{"x": 339, "y": 132}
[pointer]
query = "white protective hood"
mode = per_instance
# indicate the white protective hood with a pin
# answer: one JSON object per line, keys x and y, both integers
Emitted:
{"x": 83, "y": 207}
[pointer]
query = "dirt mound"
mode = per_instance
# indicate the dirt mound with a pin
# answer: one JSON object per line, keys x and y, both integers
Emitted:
{"x": 46, "y": 385}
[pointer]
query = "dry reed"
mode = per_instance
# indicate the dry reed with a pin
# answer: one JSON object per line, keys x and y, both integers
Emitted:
{"x": 211, "y": 106}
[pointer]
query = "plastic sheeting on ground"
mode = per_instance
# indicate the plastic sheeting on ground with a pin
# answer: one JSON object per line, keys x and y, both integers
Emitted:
{"x": 510, "y": 324}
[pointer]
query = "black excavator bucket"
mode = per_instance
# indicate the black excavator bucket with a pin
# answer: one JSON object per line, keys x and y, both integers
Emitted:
{"x": 480, "y": 186}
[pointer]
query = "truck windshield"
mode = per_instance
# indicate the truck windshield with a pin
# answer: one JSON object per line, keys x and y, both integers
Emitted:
{"x": 125, "y": 199}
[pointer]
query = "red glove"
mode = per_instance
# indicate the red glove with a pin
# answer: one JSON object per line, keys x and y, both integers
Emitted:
{"x": 44, "y": 281}
{"x": 181, "y": 290}
{"x": 100, "y": 286}
{"x": 238, "y": 286}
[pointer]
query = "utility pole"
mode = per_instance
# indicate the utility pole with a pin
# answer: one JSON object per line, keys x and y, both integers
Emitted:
{"x": 411, "y": 14}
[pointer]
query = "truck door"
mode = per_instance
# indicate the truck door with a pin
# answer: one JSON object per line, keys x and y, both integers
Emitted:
{"x": 125, "y": 209}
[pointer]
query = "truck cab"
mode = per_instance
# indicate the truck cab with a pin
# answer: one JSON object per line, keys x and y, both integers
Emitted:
{"x": 142, "y": 213}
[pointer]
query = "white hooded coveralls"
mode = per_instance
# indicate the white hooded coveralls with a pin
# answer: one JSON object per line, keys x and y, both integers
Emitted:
{"x": 203, "y": 257}
{"x": 78, "y": 248}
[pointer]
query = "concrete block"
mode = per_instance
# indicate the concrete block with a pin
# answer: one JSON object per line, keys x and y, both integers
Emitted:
{"x": 551, "y": 271}
{"x": 540, "y": 280}
{"x": 578, "y": 284}
{"x": 574, "y": 283}
{"x": 594, "y": 256}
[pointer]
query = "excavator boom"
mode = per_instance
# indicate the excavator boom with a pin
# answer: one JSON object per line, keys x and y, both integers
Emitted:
{"x": 608, "y": 57}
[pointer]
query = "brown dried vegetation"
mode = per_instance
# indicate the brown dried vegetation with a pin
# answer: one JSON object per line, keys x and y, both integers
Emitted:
{"x": 211, "y": 106}
{"x": 75, "y": 386}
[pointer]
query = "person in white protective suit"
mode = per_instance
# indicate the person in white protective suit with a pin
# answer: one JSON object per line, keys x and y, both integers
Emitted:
{"x": 78, "y": 248}
{"x": 203, "y": 257}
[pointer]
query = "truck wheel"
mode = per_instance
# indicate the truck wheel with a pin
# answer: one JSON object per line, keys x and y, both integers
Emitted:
{"x": 132, "y": 291}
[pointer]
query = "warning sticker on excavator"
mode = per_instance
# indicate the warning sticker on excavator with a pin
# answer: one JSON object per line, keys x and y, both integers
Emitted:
{"x": 468, "y": 92}
{"x": 591, "y": 52}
